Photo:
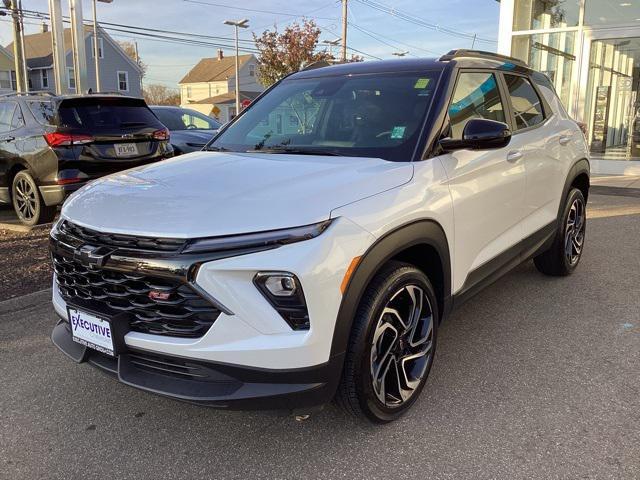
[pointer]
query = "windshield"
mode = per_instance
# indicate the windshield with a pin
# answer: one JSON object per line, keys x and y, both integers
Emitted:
{"x": 374, "y": 115}
{"x": 185, "y": 119}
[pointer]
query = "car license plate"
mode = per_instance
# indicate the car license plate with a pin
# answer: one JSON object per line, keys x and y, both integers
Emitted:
{"x": 91, "y": 331}
{"x": 126, "y": 149}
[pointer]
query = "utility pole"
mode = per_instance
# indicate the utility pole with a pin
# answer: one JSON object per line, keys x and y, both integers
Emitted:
{"x": 96, "y": 49}
{"x": 343, "y": 56}
{"x": 79, "y": 51}
{"x": 18, "y": 47}
{"x": 57, "y": 47}
{"x": 135, "y": 46}
{"x": 237, "y": 24}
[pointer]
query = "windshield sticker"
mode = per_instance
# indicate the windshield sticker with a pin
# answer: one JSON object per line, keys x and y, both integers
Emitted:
{"x": 398, "y": 132}
{"x": 422, "y": 83}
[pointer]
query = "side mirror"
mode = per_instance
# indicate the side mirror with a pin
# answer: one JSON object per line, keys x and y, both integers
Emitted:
{"x": 480, "y": 134}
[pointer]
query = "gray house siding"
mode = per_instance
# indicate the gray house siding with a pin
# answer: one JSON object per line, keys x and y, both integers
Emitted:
{"x": 113, "y": 61}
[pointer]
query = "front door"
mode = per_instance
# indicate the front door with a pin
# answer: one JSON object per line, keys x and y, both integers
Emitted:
{"x": 487, "y": 186}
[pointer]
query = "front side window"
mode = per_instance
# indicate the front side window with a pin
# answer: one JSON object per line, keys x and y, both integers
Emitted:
{"x": 526, "y": 104}
{"x": 371, "y": 115}
{"x": 476, "y": 95}
{"x": 123, "y": 81}
{"x": 7, "y": 111}
{"x": 18, "y": 120}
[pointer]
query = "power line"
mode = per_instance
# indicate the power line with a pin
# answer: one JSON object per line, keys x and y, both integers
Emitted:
{"x": 411, "y": 18}
{"x": 397, "y": 42}
{"x": 269, "y": 12}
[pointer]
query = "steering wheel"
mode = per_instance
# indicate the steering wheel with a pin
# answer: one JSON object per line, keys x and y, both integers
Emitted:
{"x": 192, "y": 126}
{"x": 382, "y": 134}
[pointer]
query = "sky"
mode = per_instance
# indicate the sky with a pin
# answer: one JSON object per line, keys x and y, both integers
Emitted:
{"x": 372, "y": 31}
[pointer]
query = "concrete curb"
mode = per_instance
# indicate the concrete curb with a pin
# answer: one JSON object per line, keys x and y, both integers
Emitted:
{"x": 25, "y": 301}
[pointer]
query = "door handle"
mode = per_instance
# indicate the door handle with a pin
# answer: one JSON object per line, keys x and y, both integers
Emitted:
{"x": 514, "y": 156}
{"x": 564, "y": 139}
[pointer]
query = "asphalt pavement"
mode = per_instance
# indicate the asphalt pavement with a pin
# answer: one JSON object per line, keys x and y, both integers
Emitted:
{"x": 536, "y": 377}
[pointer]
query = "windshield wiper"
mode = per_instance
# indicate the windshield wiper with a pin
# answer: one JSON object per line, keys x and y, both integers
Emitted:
{"x": 296, "y": 151}
{"x": 213, "y": 148}
{"x": 131, "y": 124}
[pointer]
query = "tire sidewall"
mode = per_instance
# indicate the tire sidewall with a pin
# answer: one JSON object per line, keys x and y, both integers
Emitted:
{"x": 562, "y": 230}
{"x": 369, "y": 402}
{"x": 38, "y": 207}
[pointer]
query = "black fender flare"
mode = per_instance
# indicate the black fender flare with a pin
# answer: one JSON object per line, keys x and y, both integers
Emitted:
{"x": 422, "y": 232}
{"x": 582, "y": 166}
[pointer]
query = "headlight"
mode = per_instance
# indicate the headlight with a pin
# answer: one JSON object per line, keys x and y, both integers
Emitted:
{"x": 260, "y": 239}
{"x": 284, "y": 293}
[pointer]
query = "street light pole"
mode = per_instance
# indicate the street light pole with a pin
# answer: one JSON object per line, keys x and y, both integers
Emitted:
{"x": 345, "y": 12}
{"x": 237, "y": 24}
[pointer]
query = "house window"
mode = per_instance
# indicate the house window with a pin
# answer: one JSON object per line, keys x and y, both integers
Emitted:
{"x": 252, "y": 70}
{"x": 123, "y": 81}
{"x": 44, "y": 79}
{"x": 100, "y": 47}
{"x": 5, "y": 79}
{"x": 71, "y": 79}
{"x": 14, "y": 80}
{"x": 188, "y": 91}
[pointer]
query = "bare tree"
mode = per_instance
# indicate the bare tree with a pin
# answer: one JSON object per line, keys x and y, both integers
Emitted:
{"x": 156, "y": 94}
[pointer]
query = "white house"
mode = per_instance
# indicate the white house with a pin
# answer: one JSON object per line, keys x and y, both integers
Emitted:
{"x": 209, "y": 87}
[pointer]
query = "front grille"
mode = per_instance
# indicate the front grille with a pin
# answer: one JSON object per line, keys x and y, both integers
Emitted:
{"x": 183, "y": 313}
{"x": 130, "y": 242}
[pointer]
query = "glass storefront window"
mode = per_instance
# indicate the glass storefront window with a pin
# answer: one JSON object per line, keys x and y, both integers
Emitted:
{"x": 553, "y": 54}
{"x": 544, "y": 14}
{"x": 611, "y": 12}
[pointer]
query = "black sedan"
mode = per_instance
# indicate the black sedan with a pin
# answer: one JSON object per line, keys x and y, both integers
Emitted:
{"x": 190, "y": 130}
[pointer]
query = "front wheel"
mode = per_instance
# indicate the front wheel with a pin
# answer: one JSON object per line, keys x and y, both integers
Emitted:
{"x": 565, "y": 252}
{"x": 392, "y": 345}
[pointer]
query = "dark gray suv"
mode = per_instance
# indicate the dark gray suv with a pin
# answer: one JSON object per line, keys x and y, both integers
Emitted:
{"x": 52, "y": 145}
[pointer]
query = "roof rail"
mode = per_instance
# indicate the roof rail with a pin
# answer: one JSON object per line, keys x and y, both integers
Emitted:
{"x": 314, "y": 65}
{"x": 463, "y": 52}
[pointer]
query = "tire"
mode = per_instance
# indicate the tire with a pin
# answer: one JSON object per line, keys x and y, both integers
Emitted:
{"x": 378, "y": 338}
{"x": 27, "y": 201}
{"x": 565, "y": 253}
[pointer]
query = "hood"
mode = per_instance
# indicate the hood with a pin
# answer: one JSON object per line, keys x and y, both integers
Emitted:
{"x": 206, "y": 194}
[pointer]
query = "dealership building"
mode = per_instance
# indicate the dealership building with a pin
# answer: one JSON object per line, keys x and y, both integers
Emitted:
{"x": 590, "y": 49}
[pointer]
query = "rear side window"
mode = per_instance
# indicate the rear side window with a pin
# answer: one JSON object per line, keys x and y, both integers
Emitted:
{"x": 527, "y": 107}
{"x": 106, "y": 114}
{"x": 44, "y": 112}
{"x": 7, "y": 112}
{"x": 476, "y": 96}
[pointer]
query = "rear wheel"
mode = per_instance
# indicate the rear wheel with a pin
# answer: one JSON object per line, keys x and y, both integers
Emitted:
{"x": 27, "y": 201}
{"x": 391, "y": 346}
{"x": 565, "y": 253}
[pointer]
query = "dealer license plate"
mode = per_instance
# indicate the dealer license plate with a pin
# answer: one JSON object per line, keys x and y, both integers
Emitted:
{"x": 91, "y": 331}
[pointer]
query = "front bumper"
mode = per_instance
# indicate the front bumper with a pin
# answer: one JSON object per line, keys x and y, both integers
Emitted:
{"x": 251, "y": 357}
{"x": 207, "y": 383}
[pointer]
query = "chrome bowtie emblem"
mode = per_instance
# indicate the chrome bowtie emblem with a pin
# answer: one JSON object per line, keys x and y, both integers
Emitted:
{"x": 92, "y": 256}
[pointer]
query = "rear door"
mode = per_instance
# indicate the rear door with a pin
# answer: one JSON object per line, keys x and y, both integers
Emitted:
{"x": 11, "y": 123}
{"x": 114, "y": 132}
{"x": 487, "y": 186}
{"x": 539, "y": 138}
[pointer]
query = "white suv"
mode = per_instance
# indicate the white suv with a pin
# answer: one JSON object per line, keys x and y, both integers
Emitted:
{"x": 315, "y": 246}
